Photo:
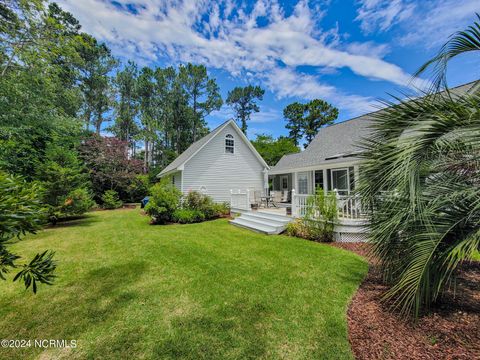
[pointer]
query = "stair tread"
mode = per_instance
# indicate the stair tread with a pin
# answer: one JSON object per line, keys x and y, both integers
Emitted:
{"x": 253, "y": 223}
{"x": 269, "y": 221}
{"x": 262, "y": 221}
{"x": 275, "y": 217}
{"x": 252, "y": 226}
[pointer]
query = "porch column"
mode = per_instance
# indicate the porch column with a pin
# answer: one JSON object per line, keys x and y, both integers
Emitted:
{"x": 265, "y": 181}
{"x": 356, "y": 174}
{"x": 325, "y": 181}
{"x": 311, "y": 180}
{"x": 294, "y": 181}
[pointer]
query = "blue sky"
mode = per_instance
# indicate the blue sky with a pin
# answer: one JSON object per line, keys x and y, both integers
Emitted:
{"x": 349, "y": 53}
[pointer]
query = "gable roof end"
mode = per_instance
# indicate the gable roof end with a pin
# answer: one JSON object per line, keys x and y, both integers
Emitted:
{"x": 193, "y": 149}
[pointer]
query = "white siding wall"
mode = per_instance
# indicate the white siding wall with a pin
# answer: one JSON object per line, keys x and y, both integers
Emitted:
{"x": 177, "y": 180}
{"x": 219, "y": 172}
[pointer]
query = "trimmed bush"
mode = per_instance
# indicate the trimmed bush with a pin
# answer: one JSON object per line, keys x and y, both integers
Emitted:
{"x": 188, "y": 216}
{"x": 111, "y": 200}
{"x": 76, "y": 203}
{"x": 319, "y": 220}
{"x": 200, "y": 202}
{"x": 164, "y": 200}
{"x": 204, "y": 203}
{"x": 222, "y": 209}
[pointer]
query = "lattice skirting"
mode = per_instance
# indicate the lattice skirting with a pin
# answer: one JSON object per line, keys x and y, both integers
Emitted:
{"x": 350, "y": 237}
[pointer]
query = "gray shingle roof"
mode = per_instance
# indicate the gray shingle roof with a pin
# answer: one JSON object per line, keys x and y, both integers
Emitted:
{"x": 336, "y": 143}
{"x": 192, "y": 149}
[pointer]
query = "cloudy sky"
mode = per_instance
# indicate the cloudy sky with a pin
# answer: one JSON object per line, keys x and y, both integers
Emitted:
{"x": 350, "y": 53}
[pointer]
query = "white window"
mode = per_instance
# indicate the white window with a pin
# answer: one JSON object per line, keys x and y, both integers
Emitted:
{"x": 229, "y": 144}
{"x": 303, "y": 183}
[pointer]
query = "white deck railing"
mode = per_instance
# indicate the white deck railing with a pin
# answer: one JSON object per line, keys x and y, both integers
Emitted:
{"x": 299, "y": 204}
{"x": 240, "y": 199}
{"x": 349, "y": 206}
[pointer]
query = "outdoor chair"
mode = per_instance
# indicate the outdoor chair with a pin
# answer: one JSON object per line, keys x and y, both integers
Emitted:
{"x": 276, "y": 198}
{"x": 257, "y": 199}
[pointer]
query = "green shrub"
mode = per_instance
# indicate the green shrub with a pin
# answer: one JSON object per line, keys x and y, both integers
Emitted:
{"x": 187, "y": 216}
{"x": 111, "y": 200}
{"x": 319, "y": 220}
{"x": 77, "y": 202}
{"x": 64, "y": 183}
{"x": 164, "y": 200}
{"x": 138, "y": 188}
{"x": 321, "y": 215}
{"x": 221, "y": 209}
{"x": 204, "y": 203}
{"x": 22, "y": 212}
{"x": 197, "y": 201}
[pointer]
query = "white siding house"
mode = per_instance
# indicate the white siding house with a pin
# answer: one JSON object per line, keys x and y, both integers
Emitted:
{"x": 222, "y": 161}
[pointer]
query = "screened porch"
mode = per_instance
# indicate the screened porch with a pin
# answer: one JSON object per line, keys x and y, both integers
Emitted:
{"x": 291, "y": 190}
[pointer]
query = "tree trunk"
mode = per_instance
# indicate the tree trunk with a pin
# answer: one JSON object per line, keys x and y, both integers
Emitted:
{"x": 145, "y": 157}
{"x": 98, "y": 125}
{"x": 194, "y": 117}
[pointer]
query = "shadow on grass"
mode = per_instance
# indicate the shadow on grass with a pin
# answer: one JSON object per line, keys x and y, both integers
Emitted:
{"x": 74, "y": 308}
{"x": 83, "y": 220}
{"x": 218, "y": 335}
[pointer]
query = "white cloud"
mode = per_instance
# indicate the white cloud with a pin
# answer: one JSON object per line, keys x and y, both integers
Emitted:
{"x": 220, "y": 35}
{"x": 437, "y": 20}
{"x": 382, "y": 14}
{"x": 424, "y": 23}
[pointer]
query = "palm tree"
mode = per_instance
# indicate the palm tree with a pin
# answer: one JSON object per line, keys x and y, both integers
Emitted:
{"x": 459, "y": 43}
{"x": 421, "y": 176}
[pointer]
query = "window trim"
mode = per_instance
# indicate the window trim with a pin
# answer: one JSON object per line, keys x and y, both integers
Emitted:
{"x": 229, "y": 137}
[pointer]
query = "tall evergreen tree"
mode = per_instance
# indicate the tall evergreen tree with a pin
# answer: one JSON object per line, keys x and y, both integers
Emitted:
{"x": 146, "y": 98}
{"x": 319, "y": 113}
{"x": 307, "y": 119}
{"x": 126, "y": 106}
{"x": 95, "y": 81}
{"x": 203, "y": 95}
{"x": 243, "y": 102}
{"x": 294, "y": 113}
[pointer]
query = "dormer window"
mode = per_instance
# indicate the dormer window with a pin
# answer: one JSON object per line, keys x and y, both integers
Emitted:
{"x": 229, "y": 144}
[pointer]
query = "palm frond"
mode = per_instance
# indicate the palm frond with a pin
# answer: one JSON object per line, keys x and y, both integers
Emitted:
{"x": 421, "y": 172}
{"x": 459, "y": 43}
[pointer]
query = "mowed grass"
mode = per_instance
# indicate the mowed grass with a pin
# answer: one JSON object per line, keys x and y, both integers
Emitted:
{"x": 126, "y": 289}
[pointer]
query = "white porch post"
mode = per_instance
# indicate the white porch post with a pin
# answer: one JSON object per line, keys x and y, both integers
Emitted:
{"x": 294, "y": 181}
{"x": 294, "y": 187}
{"x": 325, "y": 181}
{"x": 265, "y": 181}
{"x": 294, "y": 207}
{"x": 356, "y": 174}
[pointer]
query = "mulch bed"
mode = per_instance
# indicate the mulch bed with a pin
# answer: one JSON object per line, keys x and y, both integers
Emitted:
{"x": 450, "y": 331}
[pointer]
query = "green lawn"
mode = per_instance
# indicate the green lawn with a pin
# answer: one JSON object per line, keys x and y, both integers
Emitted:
{"x": 126, "y": 289}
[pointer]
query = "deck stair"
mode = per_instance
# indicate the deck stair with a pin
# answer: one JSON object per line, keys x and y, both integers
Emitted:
{"x": 262, "y": 221}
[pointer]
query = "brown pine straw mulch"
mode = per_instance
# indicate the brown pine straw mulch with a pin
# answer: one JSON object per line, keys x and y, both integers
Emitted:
{"x": 450, "y": 331}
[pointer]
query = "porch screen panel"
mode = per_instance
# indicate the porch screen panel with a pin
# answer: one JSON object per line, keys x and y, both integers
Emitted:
{"x": 319, "y": 179}
{"x": 340, "y": 181}
{"x": 303, "y": 183}
{"x": 351, "y": 174}
{"x": 329, "y": 183}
